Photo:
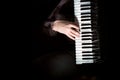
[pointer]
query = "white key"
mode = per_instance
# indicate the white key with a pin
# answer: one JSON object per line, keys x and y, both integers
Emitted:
{"x": 87, "y": 34}
{"x": 85, "y": 38}
{"x": 77, "y": 6}
{"x": 86, "y": 15}
{"x": 87, "y": 41}
{"x": 77, "y": 13}
{"x": 87, "y": 53}
{"x": 84, "y": 49}
{"x": 79, "y": 59}
{"x": 85, "y": 6}
{"x": 84, "y": 57}
{"x": 90, "y": 45}
{"x": 79, "y": 62}
{"x": 77, "y": 9}
{"x": 85, "y": 18}
{"x": 82, "y": 62}
{"x": 85, "y": 61}
{"x": 86, "y": 30}
{"x": 83, "y": 41}
{"x": 85, "y": 26}
{"x": 75, "y": 1}
{"x": 78, "y": 17}
{"x": 87, "y": 22}
{"x": 86, "y": 11}
{"x": 78, "y": 44}
{"x": 79, "y": 52}
{"x": 89, "y": 49}
{"x": 84, "y": 3}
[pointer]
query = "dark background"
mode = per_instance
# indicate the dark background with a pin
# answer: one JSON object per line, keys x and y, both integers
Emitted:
{"x": 40, "y": 41}
{"x": 43, "y": 43}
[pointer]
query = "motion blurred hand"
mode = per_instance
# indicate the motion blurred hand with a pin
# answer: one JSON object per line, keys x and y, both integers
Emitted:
{"x": 67, "y": 28}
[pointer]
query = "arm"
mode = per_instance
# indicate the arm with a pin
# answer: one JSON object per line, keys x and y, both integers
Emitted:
{"x": 59, "y": 23}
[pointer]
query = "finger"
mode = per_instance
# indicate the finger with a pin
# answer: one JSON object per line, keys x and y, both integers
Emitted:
{"x": 74, "y": 27}
{"x": 75, "y": 33}
{"x": 70, "y": 36}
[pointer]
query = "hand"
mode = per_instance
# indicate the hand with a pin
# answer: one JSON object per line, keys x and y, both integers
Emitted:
{"x": 67, "y": 28}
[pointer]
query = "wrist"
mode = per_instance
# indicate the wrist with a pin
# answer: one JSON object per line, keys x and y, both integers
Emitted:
{"x": 54, "y": 25}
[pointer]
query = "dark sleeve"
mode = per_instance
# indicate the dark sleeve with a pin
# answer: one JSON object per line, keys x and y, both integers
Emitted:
{"x": 57, "y": 14}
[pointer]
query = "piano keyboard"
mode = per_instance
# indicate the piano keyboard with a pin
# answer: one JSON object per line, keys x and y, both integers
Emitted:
{"x": 87, "y": 46}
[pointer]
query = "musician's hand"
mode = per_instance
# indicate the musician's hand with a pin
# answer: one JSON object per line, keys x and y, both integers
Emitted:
{"x": 67, "y": 28}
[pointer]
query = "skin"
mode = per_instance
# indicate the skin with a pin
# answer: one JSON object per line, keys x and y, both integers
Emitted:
{"x": 67, "y": 28}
